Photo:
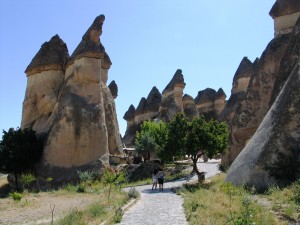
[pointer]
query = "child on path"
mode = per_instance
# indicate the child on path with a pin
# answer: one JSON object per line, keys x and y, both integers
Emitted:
{"x": 160, "y": 177}
{"x": 154, "y": 179}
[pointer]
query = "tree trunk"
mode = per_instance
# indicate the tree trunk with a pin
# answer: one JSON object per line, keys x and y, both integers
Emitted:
{"x": 200, "y": 175}
{"x": 16, "y": 181}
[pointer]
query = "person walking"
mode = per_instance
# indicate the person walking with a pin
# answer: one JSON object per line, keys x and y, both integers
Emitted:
{"x": 160, "y": 178}
{"x": 154, "y": 179}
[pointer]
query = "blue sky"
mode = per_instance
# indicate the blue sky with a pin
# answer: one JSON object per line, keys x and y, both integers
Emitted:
{"x": 147, "y": 42}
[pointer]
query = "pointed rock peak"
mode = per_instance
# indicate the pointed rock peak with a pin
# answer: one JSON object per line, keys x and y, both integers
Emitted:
{"x": 90, "y": 45}
{"x": 130, "y": 114}
{"x": 95, "y": 30}
{"x": 206, "y": 95}
{"x": 153, "y": 100}
{"x": 177, "y": 80}
{"x": 154, "y": 94}
{"x": 53, "y": 55}
{"x": 220, "y": 93}
{"x": 284, "y": 7}
{"x": 245, "y": 69}
{"x": 113, "y": 87}
{"x": 141, "y": 107}
{"x": 187, "y": 97}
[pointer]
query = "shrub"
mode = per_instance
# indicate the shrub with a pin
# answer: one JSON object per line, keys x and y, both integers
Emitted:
{"x": 133, "y": 193}
{"x": 16, "y": 196}
{"x": 27, "y": 179}
{"x": 81, "y": 188}
{"x": 85, "y": 176}
{"x": 297, "y": 192}
{"x": 118, "y": 215}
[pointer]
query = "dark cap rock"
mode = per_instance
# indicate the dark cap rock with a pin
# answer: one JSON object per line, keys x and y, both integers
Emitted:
{"x": 245, "y": 69}
{"x": 220, "y": 94}
{"x": 153, "y": 100}
{"x": 141, "y": 107}
{"x": 90, "y": 45}
{"x": 53, "y": 55}
{"x": 177, "y": 80}
{"x": 130, "y": 114}
{"x": 113, "y": 87}
{"x": 207, "y": 95}
{"x": 284, "y": 7}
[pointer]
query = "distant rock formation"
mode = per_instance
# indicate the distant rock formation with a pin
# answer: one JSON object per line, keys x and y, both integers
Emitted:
{"x": 210, "y": 103}
{"x": 171, "y": 102}
{"x": 189, "y": 107}
{"x": 113, "y": 87}
{"x": 164, "y": 106}
{"x": 271, "y": 157}
{"x": 74, "y": 109}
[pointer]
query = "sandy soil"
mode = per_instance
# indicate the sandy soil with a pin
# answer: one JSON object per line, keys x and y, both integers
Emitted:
{"x": 36, "y": 208}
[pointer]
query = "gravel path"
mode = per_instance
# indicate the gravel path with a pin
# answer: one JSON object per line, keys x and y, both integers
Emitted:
{"x": 163, "y": 207}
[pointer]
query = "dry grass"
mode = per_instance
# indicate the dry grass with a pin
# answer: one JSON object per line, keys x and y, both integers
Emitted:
{"x": 217, "y": 203}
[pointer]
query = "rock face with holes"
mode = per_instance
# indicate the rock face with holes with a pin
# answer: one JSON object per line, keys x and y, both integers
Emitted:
{"x": 76, "y": 114}
{"x": 272, "y": 156}
{"x": 249, "y": 104}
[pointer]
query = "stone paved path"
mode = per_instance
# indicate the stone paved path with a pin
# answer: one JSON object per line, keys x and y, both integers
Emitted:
{"x": 163, "y": 207}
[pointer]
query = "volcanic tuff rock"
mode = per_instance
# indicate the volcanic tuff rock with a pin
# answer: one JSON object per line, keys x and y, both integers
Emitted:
{"x": 272, "y": 154}
{"x": 189, "y": 107}
{"x": 210, "y": 103}
{"x": 45, "y": 76}
{"x": 113, "y": 87}
{"x": 81, "y": 127}
{"x": 285, "y": 14}
{"x": 147, "y": 109}
{"x": 171, "y": 102}
{"x": 164, "y": 107}
{"x": 245, "y": 111}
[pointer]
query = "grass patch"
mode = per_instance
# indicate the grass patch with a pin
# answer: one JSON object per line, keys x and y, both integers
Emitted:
{"x": 216, "y": 202}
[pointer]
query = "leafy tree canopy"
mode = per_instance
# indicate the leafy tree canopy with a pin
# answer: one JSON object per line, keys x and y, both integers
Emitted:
{"x": 20, "y": 150}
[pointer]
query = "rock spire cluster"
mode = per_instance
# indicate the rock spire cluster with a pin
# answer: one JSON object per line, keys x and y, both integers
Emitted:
{"x": 68, "y": 102}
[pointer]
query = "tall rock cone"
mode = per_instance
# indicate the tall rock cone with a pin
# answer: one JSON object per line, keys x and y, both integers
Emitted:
{"x": 45, "y": 76}
{"x": 171, "y": 102}
{"x": 84, "y": 131}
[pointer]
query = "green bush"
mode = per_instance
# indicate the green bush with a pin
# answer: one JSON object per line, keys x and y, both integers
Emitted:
{"x": 85, "y": 176}
{"x": 96, "y": 210}
{"x": 27, "y": 179}
{"x": 297, "y": 192}
{"x": 118, "y": 215}
{"x": 133, "y": 193}
{"x": 16, "y": 196}
{"x": 81, "y": 188}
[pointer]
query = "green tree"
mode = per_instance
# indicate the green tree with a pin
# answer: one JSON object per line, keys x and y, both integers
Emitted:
{"x": 177, "y": 138}
{"x": 205, "y": 138}
{"x": 195, "y": 139}
{"x": 20, "y": 150}
{"x": 151, "y": 139}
